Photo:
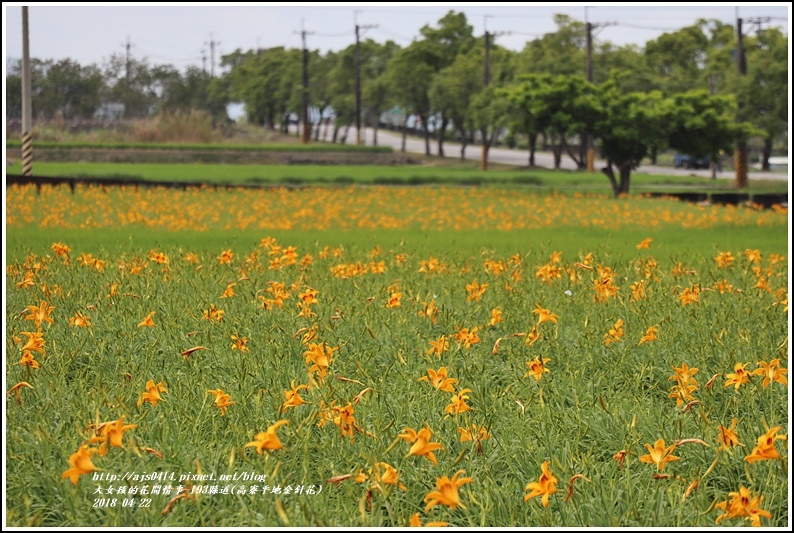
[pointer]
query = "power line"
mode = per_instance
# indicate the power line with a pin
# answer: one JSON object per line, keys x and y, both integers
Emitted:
{"x": 343, "y": 34}
{"x": 396, "y": 35}
{"x": 638, "y": 27}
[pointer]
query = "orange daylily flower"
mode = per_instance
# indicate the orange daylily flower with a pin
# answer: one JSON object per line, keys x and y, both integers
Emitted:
{"x": 152, "y": 393}
{"x": 239, "y": 343}
{"x": 476, "y": 434}
{"x": 28, "y": 360}
{"x": 727, "y": 437}
{"x": 742, "y": 505}
{"x": 724, "y": 259}
{"x": 467, "y": 337}
{"x": 765, "y": 446}
{"x": 148, "y": 322}
{"x": 646, "y": 243}
{"x": 438, "y": 347}
{"x": 40, "y": 313}
{"x": 344, "y": 419}
{"x": 475, "y": 291}
{"x": 390, "y": 476}
{"x": 650, "y": 335}
{"x": 229, "y": 291}
{"x": 458, "y": 403}
{"x": 739, "y": 376}
{"x": 422, "y": 445}
{"x": 496, "y": 317}
{"x": 60, "y": 248}
{"x": 544, "y": 315}
{"x": 225, "y": 257}
{"x": 320, "y": 355}
{"x": 447, "y": 493}
{"x": 81, "y": 464}
{"x": 545, "y": 486}
{"x": 532, "y": 336}
{"x": 690, "y": 295}
{"x": 268, "y": 440}
{"x": 111, "y": 432}
{"x": 35, "y": 342}
{"x": 27, "y": 281}
{"x": 771, "y": 372}
{"x": 659, "y": 455}
{"x": 394, "y": 300}
{"x": 439, "y": 380}
{"x": 292, "y": 396}
{"x": 682, "y": 393}
{"x": 429, "y": 310}
{"x": 537, "y": 368}
{"x": 80, "y": 320}
{"x": 615, "y": 333}
{"x": 213, "y": 314}
{"x": 221, "y": 400}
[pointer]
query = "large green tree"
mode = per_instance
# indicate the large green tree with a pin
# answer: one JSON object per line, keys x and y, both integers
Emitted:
{"x": 488, "y": 113}
{"x": 410, "y": 75}
{"x": 451, "y": 94}
{"x": 763, "y": 92}
{"x": 627, "y": 126}
{"x": 703, "y": 125}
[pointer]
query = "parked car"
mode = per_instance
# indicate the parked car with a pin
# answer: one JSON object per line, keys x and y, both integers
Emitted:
{"x": 688, "y": 161}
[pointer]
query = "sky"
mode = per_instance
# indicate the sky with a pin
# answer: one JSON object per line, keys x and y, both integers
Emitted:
{"x": 179, "y": 34}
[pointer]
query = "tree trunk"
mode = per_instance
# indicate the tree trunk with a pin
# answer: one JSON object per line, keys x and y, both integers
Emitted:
{"x": 610, "y": 174}
{"x": 336, "y": 132}
{"x": 463, "y": 142}
{"x": 713, "y": 166}
{"x": 580, "y": 163}
{"x": 319, "y": 124}
{"x": 271, "y": 118}
{"x": 405, "y": 132}
{"x": 582, "y": 151}
{"x": 375, "y": 133}
{"x": 325, "y": 129}
{"x": 533, "y": 140}
{"x": 653, "y": 155}
{"x": 765, "y": 153}
{"x": 557, "y": 151}
{"x": 344, "y": 135}
{"x": 441, "y": 132}
{"x": 486, "y": 144}
{"x": 427, "y": 134}
{"x": 625, "y": 176}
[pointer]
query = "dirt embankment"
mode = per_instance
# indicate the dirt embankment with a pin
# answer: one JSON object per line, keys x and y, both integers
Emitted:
{"x": 213, "y": 156}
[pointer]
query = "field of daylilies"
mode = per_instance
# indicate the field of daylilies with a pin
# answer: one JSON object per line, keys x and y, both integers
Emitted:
{"x": 324, "y": 379}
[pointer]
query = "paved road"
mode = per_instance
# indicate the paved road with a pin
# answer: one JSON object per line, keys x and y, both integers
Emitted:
{"x": 521, "y": 157}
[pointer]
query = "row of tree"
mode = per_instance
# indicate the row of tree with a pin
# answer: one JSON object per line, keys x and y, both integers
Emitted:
{"x": 441, "y": 80}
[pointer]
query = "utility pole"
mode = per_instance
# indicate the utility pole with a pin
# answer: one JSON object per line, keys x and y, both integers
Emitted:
{"x": 307, "y": 131}
{"x": 212, "y": 43}
{"x": 204, "y": 60}
{"x": 358, "y": 75}
{"x": 589, "y": 27}
{"x": 589, "y": 136}
{"x": 740, "y": 153}
{"x": 127, "y": 106}
{"x": 27, "y": 108}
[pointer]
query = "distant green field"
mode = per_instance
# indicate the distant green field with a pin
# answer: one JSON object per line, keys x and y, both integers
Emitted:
{"x": 380, "y": 175}
{"x": 12, "y": 143}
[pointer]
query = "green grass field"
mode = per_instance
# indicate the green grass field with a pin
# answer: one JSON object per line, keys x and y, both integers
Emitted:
{"x": 384, "y": 175}
{"x": 547, "y": 360}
